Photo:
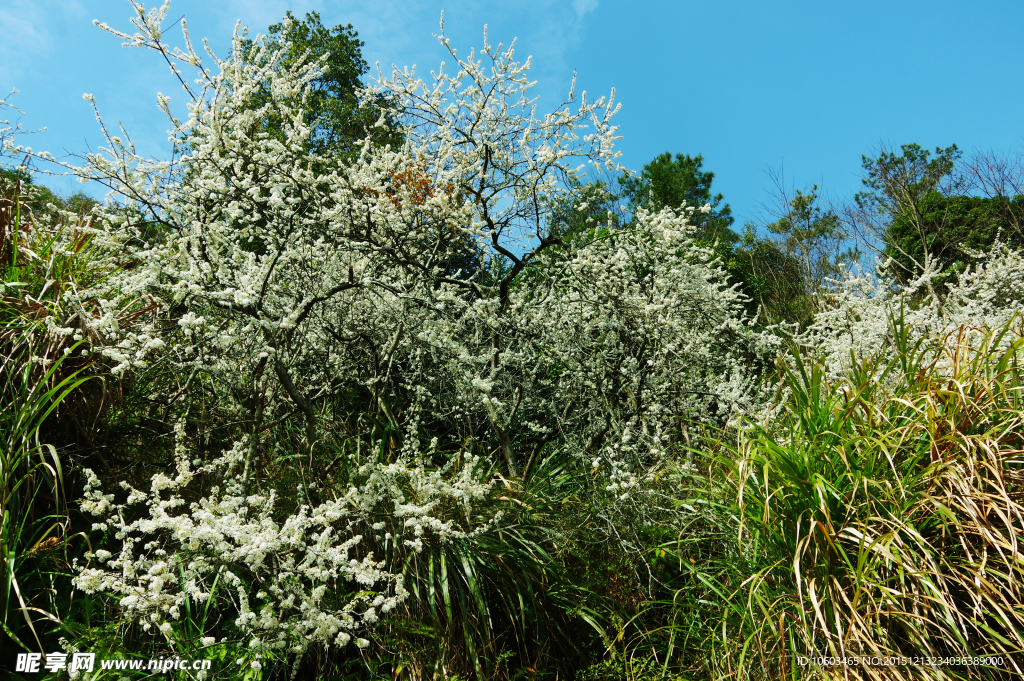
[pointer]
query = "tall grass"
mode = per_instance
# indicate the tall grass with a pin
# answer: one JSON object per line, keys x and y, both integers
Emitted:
{"x": 40, "y": 370}
{"x": 33, "y": 519}
{"x": 53, "y": 279}
{"x": 882, "y": 516}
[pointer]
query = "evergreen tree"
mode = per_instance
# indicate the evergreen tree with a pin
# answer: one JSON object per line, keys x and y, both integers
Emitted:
{"x": 333, "y": 110}
{"x": 668, "y": 182}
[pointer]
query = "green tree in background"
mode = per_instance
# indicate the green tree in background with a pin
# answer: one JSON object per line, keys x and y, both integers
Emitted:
{"x": 773, "y": 280}
{"x": 812, "y": 235}
{"x": 769, "y": 275}
{"x": 38, "y": 198}
{"x": 896, "y": 185}
{"x": 590, "y": 208}
{"x": 778, "y": 276}
{"x": 675, "y": 181}
{"x": 336, "y": 117}
{"x": 949, "y": 230}
{"x": 790, "y": 266}
{"x": 668, "y": 182}
{"x": 921, "y": 209}
{"x": 338, "y": 121}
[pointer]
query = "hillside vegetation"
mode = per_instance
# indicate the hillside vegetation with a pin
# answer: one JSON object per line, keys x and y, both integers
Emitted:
{"x": 382, "y": 383}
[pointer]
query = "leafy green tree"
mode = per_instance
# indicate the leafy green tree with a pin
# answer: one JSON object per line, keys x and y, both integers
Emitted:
{"x": 773, "y": 280}
{"x": 336, "y": 116}
{"x": 10, "y": 176}
{"x": 814, "y": 236}
{"x": 787, "y": 270}
{"x": 920, "y": 208}
{"x": 896, "y": 185}
{"x": 586, "y": 211}
{"x": 951, "y": 230}
{"x": 779, "y": 276}
{"x": 333, "y": 110}
{"x": 665, "y": 182}
{"x": 30, "y": 195}
{"x": 770, "y": 274}
{"x": 668, "y": 182}
{"x": 675, "y": 181}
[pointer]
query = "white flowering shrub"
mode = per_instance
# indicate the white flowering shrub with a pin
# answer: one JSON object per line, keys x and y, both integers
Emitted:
{"x": 298, "y": 285}
{"x": 309, "y": 579}
{"x": 640, "y": 334}
{"x": 865, "y": 305}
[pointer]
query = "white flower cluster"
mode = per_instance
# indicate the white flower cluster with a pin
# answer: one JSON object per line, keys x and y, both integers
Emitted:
{"x": 859, "y": 318}
{"x": 311, "y": 579}
{"x": 638, "y": 333}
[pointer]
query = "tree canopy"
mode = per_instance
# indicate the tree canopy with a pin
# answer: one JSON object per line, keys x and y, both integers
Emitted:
{"x": 925, "y": 210}
{"x": 672, "y": 182}
{"x": 336, "y": 115}
{"x": 953, "y": 230}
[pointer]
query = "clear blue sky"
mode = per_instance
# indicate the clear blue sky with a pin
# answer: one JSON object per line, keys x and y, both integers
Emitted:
{"x": 751, "y": 85}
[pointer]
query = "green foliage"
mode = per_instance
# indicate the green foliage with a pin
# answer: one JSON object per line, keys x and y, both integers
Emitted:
{"x": 47, "y": 398}
{"x": 39, "y": 199}
{"x": 874, "y": 517}
{"x": 925, "y": 218}
{"x": 869, "y": 511}
{"x": 590, "y": 210}
{"x": 668, "y": 182}
{"x": 786, "y": 274}
{"x": 783, "y": 276}
{"x": 47, "y": 260}
{"x": 759, "y": 267}
{"x": 337, "y": 119}
{"x": 879, "y": 515}
{"x": 809, "y": 234}
{"x": 33, "y": 519}
{"x": 952, "y": 229}
{"x": 774, "y": 279}
{"x": 501, "y": 601}
{"x": 529, "y": 598}
{"x": 620, "y": 668}
{"x": 898, "y": 183}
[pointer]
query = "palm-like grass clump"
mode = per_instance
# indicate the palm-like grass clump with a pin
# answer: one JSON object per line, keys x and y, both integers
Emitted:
{"x": 883, "y": 515}
{"x": 42, "y": 262}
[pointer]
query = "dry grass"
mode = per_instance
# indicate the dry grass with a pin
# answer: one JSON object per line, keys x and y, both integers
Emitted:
{"x": 886, "y": 516}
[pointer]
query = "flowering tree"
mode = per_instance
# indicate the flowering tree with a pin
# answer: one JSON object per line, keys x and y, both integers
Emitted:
{"x": 422, "y": 283}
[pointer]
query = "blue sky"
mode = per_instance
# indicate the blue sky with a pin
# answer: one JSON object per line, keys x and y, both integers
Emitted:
{"x": 751, "y": 85}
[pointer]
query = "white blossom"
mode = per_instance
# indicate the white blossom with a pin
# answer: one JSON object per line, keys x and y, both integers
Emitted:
{"x": 290, "y": 279}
